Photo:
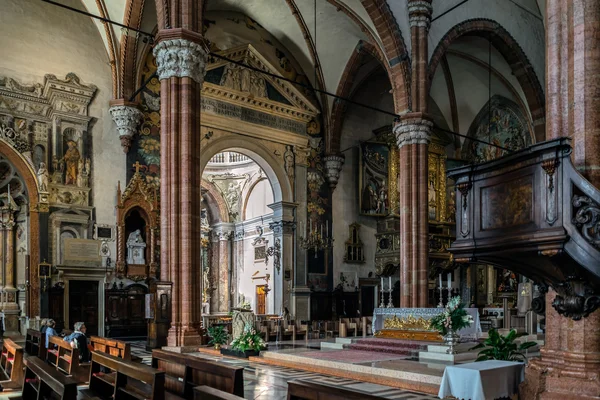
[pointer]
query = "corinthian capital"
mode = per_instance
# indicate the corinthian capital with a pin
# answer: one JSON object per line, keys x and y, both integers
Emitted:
{"x": 413, "y": 131}
{"x": 419, "y": 13}
{"x": 333, "y": 167}
{"x": 127, "y": 118}
{"x": 179, "y": 58}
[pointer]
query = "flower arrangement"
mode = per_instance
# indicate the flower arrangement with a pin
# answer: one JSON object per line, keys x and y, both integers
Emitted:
{"x": 248, "y": 340}
{"x": 453, "y": 318}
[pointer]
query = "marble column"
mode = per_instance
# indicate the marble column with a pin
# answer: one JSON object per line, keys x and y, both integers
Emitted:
{"x": 181, "y": 60}
{"x": 283, "y": 227}
{"x": 573, "y": 80}
{"x": 224, "y": 233}
{"x": 127, "y": 117}
{"x": 300, "y": 291}
{"x": 413, "y": 134}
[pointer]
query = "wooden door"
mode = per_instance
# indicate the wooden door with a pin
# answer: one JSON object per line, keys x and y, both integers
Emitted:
{"x": 83, "y": 305}
{"x": 261, "y": 300}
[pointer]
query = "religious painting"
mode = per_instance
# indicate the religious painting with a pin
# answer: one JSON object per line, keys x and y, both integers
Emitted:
{"x": 373, "y": 179}
{"x": 508, "y": 204}
{"x": 500, "y": 122}
{"x": 506, "y": 281}
{"x": 260, "y": 254}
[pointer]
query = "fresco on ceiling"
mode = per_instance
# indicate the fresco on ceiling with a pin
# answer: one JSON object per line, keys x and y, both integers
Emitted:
{"x": 508, "y": 127}
{"x": 225, "y": 29}
{"x": 145, "y": 147}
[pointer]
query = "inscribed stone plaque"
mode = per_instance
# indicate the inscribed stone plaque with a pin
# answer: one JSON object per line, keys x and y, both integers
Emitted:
{"x": 82, "y": 251}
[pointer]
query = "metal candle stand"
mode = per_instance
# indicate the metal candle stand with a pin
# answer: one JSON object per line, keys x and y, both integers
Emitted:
{"x": 390, "y": 304}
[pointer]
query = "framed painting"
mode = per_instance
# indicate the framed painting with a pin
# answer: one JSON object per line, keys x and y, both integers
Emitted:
{"x": 373, "y": 182}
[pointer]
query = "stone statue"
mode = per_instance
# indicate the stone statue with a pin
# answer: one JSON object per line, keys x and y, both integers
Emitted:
{"x": 80, "y": 172}
{"x": 42, "y": 175}
{"x": 54, "y": 163}
{"x": 71, "y": 158}
{"x": 88, "y": 167}
{"x": 136, "y": 248}
{"x": 288, "y": 158}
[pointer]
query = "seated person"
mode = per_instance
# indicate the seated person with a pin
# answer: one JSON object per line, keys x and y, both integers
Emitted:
{"x": 43, "y": 325}
{"x": 50, "y": 330}
{"x": 78, "y": 340}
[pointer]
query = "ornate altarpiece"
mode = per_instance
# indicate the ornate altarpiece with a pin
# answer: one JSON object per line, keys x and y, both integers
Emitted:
{"x": 141, "y": 198}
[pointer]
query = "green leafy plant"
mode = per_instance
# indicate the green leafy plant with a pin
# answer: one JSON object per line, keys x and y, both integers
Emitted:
{"x": 499, "y": 347}
{"x": 218, "y": 335}
{"x": 248, "y": 340}
{"x": 454, "y": 317}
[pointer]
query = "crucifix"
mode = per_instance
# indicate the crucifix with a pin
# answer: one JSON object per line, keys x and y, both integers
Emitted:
{"x": 137, "y": 166}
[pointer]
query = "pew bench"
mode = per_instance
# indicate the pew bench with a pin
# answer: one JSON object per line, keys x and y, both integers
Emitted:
{"x": 116, "y": 348}
{"x": 11, "y": 364}
{"x": 184, "y": 372}
{"x": 302, "y": 390}
{"x": 44, "y": 382}
{"x": 113, "y": 377}
{"x": 208, "y": 393}
{"x": 35, "y": 343}
{"x": 65, "y": 359}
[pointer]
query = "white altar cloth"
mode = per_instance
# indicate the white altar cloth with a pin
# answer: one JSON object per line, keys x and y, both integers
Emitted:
{"x": 472, "y": 332}
{"x": 485, "y": 380}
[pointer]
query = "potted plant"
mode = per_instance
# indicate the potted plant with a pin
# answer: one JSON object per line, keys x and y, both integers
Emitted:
{"x": 218, "y": 336}
{"x": 499, "y": 347}
{"x": 450, "y": 321}
{"x": 248, "y": 344}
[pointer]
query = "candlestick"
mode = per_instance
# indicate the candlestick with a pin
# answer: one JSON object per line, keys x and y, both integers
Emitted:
{"x": 440, "y": 280}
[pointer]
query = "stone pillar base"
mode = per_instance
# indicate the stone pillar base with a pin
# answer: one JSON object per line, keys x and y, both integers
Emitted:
{"x": 181, "y": 349}
{"x": 12, "y": 324}
{"x": 183, "y": 337}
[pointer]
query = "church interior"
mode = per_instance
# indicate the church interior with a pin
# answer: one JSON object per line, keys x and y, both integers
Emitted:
{"x": 300, "y": 199}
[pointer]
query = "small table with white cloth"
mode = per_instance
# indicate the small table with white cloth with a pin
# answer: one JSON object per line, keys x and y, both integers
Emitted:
{"x": 484, "y": 380}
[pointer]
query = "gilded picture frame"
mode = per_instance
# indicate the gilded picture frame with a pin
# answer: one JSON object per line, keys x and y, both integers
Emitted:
{"x": 373, "y": 179}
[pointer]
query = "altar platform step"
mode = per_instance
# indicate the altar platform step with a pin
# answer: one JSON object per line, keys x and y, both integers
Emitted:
{"x": 338, "y": 344}
{"x": 407, "y": 348}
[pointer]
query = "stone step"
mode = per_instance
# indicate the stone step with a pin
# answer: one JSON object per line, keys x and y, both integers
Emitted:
{"x": 343, "y": 340}
{"x": 393, "y": 342}
{"x": 384, "y": 349}
{"x": 332, "y": 345}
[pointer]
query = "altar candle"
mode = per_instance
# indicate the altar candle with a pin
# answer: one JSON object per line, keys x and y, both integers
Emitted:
{"x": 382, "y": 283}
{"x": 390, "y": 283}
{"x": 440, "y": 280}
{"x": 449, "y": 280}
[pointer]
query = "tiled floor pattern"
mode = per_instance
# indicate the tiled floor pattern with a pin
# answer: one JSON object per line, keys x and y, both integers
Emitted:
{"x": 269, "y": 382}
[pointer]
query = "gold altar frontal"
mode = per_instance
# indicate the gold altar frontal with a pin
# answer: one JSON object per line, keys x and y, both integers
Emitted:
{"x": 409, "y": 328}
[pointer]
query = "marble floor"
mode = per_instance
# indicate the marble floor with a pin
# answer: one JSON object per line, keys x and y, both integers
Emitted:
{"x": 269, "y": 382}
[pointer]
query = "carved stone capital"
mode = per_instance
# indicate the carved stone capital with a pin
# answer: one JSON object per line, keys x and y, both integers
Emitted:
{"x": 127, "y": 119}
{"x": 179, "y": 58}
{"x": 413, "y": 131}
{"x": 419, "y": 13}
{"x": 333, "y": 167}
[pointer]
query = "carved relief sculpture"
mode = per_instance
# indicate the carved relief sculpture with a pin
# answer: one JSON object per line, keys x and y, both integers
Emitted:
{"x": 43, "y": 176}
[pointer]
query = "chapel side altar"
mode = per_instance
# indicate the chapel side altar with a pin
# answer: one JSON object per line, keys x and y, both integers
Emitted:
{"x": 413, "y": 324}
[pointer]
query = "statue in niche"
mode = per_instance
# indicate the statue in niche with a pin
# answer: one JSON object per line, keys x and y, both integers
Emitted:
{"x": 136, "y": 248}
{"x": 382, "y": 199}
{"x": 42, "y": 175}
{"x": 288, "y": 158}
{"x": 71, "y": 158}
{"x": 80, "y": 173}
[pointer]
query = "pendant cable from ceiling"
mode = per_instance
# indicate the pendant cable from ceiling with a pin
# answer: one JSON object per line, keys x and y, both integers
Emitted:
{"x": 279, "y": 77}
{"x": 489, "y": 87}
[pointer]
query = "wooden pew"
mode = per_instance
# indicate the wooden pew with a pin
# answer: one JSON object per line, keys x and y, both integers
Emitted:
{"x": 302, "y": 390}
{"x": 113, "y": 347}
{"x": 65, "y": 359}
{"x": 112, "y": 377}
{"x": 35, "y": 343}
{"x": 11, "y": 362}
{"x": 42, "y": 381}
{"x": 184, "y": 372}
{"x": 208, "y": 393}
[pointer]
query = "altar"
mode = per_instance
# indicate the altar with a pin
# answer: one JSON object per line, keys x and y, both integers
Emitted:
{"x": 413, "y": 319}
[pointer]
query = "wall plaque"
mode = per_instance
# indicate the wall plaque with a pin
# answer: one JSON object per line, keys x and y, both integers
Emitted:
{"x": 82, "y": 251}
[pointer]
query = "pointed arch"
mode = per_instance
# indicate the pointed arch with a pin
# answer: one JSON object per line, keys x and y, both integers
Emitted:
{"x": 514, "y": 55}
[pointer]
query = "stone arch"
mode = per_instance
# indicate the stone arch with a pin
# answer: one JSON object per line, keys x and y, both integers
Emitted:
{"x": 282, "y": 188}
{"x": 134, "y": 10}
{"x": 363, "y": 51}
{"x": 216, "y": 205}
{"x": 395, "y": 51}
{"x": 514, "y": 55}
{"x": 247, "y": 198}
{"x": 26, "y": 172}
